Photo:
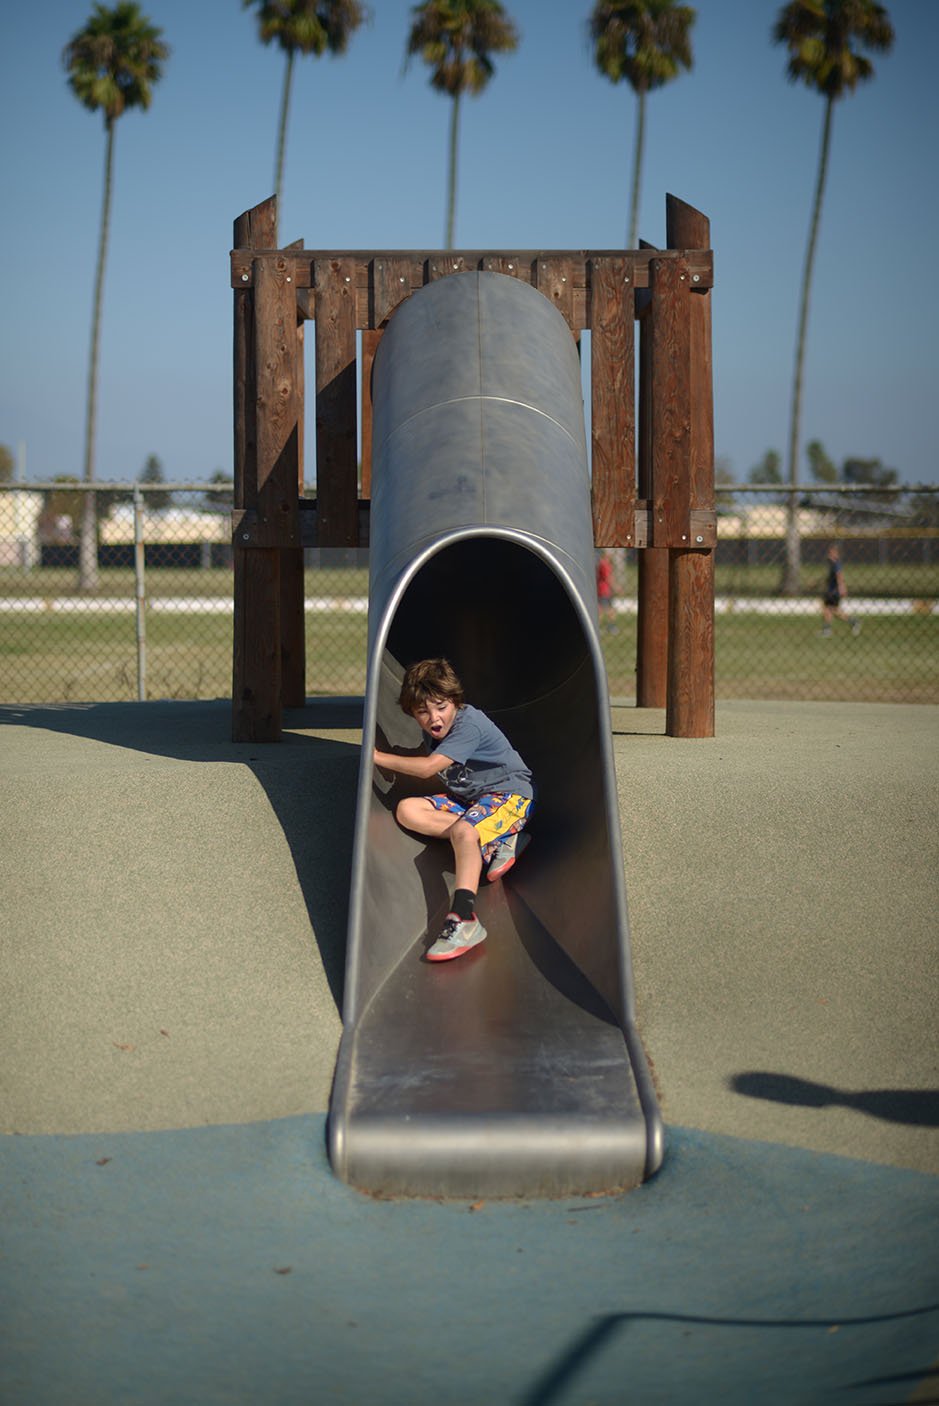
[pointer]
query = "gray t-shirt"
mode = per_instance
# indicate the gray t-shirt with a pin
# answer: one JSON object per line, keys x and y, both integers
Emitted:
{"x": 483, "y": 758}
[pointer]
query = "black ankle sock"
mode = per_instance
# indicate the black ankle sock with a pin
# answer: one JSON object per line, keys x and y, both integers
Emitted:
{"x": 464, "y": 903}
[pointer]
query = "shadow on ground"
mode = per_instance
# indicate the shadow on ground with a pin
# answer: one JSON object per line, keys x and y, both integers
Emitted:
{"x": 309, "y": 780}
{"x": 915, "y": 1107}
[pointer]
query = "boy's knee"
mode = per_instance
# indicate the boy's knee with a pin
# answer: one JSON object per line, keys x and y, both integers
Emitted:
{"x": 462, "y": 832}
{"x": 405, "y": 810}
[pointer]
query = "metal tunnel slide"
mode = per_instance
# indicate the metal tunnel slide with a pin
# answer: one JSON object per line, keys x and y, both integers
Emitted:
{"x": 515, "y": 1070}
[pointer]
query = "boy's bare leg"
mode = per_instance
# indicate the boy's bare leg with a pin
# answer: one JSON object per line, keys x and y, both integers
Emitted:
{"x": 467, "y": 854}
{"x": 416, "y": 813}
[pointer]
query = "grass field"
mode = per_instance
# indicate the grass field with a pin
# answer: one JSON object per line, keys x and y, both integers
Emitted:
{"x": 908, "y": 579}
{"x": 48, "y": 656}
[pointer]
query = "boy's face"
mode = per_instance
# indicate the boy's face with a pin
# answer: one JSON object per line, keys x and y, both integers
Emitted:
{"x": 436, "y": 715}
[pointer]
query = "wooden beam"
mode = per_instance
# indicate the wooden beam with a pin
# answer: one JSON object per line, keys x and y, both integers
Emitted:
{"x": 690, "y": 707}
{"x": 256, "y": 666}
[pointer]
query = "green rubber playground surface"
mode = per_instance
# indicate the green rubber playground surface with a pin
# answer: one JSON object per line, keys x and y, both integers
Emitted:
{"x": 172, "y": 944}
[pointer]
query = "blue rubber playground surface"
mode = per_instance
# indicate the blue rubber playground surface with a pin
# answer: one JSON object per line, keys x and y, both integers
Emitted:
{"x": 172, "y": 1231}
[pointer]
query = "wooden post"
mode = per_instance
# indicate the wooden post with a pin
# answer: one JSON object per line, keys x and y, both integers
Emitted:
{"x": 292, "y": 616}
{"x": 652, "y": 567}
{"x": 690, "y": 707}
{"x": 256, "y": 668}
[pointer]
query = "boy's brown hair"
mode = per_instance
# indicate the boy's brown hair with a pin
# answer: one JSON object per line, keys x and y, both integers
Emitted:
{"x": 427, "y": 679}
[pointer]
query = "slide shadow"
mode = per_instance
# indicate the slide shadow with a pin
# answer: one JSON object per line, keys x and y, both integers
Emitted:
{"x": 914, "y": 1107}
{"x": 310, "y": 782}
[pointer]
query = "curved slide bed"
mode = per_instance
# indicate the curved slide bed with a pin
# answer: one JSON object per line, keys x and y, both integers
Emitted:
{"x": 516, "y": 1070}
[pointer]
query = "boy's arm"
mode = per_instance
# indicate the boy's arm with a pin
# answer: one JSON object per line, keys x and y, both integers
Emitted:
{"x": 420, "y": 766}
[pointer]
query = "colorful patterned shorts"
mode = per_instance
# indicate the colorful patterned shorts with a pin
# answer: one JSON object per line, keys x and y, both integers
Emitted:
{"x": 494, "y": 815}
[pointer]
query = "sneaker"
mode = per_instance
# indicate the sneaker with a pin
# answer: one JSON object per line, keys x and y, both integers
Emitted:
{"x": 458, "y": 936}
{"x": 505, "y": 854}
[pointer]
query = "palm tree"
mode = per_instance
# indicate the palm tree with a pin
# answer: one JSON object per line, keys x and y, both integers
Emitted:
{"x": 647, "y": 42}
{"x": 456, "y": 39}
{"x": 112, "y": 65}
{"x": 820, "y": 35}
{"x": 303, "y": 27}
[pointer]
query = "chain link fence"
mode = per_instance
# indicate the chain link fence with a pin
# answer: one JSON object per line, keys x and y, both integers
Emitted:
{"x": 156, "y": 619}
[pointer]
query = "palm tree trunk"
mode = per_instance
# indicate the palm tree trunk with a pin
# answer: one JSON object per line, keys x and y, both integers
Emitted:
{"x": 637, "y": 170}
{"x": 451, "y": 193}
{"x": 282, "y": 129}
{"x": 88, "y": 541}
{"x": 790, "y": 582}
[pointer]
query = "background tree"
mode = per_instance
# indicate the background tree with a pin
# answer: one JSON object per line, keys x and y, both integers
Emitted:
{"x": 112, "y": 65}
{"x": 7, "y": 464}
{"x": 647, "y": 42}
{"x": 222, "y": 498}
{"x": 303, "y": 27}
{"x": 822, "y": 37}
{"x": 768, "y": 470}
{"x": 822, "y": 469}
{"x": 724, "y": 483}
{"x": 456, "y": 39}
{"x": 152, "y": 472}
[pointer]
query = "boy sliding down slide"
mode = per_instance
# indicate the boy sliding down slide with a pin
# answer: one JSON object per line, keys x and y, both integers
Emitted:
{"x": 486, "y": 802}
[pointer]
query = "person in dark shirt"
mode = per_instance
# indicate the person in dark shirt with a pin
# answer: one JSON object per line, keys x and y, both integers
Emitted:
{"x": 836, "y": 593}
{"x": 486, "y": 800}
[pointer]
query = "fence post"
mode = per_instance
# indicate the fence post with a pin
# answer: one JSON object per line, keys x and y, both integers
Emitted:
{"x": 140, "y": 592}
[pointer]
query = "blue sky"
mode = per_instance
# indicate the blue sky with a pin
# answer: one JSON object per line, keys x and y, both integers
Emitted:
{"x": 545, "y": 161}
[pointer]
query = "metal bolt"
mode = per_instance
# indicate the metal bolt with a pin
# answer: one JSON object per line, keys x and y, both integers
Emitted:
{"x": 244, "y": 278}
{"x": 246, "y": 536}
{"x": 511, "y": 267}
{"x": 696, "y": 278}
{"x": 699, "y": 538}
{"x": 625, "y": 280}
{"x": 348, "y": 279}
{"x": 684, "y": 537}
{"x": 289, "y": 279}
{"x": 400, "y": 280}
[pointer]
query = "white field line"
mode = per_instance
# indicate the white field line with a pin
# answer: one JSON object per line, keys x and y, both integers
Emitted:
{"x": 358, "y": 605}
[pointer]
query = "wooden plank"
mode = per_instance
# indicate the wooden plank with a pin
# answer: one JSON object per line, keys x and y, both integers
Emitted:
{"x": 670, "y": 409}
{"x": 652, "y": 587}
{"x": 612, "y": 429}
{"x": 370, "y": 339}
{"x": 279, "y": 428}
{"x": 336, "y": 429}
{"x": 554, "y": 277}
{"x": 443, "y": 264}
{"x": 277, "y": 399}
{"x": 512, "y": 265}
{"x": 292, "y": 585}
{"x": 390, "y": 284}
{"x": 700, "y": 262}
